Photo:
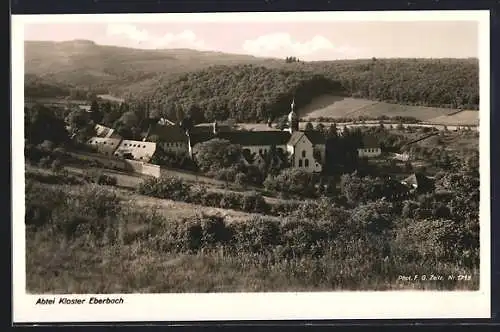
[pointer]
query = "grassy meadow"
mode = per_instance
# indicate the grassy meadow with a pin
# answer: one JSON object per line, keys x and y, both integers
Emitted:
{"x": 88, "y": 238}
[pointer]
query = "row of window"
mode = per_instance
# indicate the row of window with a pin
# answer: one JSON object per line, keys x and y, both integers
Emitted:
{"x": 134, "y": 145}
{"x": 371, "y": 150}
{"x": 103, "y": 142}
{"x": 175, "y": 144}
{"x": 306, "y": 163}
{"x": 124, "y": 144}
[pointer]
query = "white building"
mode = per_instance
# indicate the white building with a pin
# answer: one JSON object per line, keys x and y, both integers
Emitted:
{"x": 137, "y": 150}
{"x": 369, "y": 148}
{"x": 104, "y": 145}
{"x": 171, "y": 138}
{"x": 307, "y": 150}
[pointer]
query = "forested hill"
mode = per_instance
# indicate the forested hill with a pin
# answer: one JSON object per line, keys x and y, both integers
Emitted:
{"x": 255, "y": 93}
{"x": 214, "y": 85}
{"x": 108, "y": 69}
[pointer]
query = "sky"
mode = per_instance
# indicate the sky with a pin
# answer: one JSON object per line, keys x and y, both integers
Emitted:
{"x": 309, "y": 41}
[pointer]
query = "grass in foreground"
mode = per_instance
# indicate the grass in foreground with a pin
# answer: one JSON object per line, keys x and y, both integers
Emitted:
{"x": 86, "y": 240}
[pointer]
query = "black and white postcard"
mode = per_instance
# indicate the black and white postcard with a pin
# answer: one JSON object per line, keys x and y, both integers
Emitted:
{"x": 251, "y": 166}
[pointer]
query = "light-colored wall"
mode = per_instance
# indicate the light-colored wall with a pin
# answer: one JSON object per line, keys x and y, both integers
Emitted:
{"x": 103, "y": 131}
{"x": 106, "y": 146}
{"x": 299, "y": 159}
{"x": 175, "y": 146}
{"x": 142, "y": 151}
{"x": 143, "y": 168}
{"x": 369, "y": 153}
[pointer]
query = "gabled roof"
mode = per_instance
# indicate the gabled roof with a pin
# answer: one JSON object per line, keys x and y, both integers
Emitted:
{"x": 315, "y": 137}
{"x": 419, "y": 180}
{"x": 209, "y": 128}
{"x": 103, "y": 131}
{"x": 295, "y": 138}
{"x": 252, "y": 138}
{"x": 369, "y": 142}
{"x": 167, "y": 133}
{"x": 197, "y": 137}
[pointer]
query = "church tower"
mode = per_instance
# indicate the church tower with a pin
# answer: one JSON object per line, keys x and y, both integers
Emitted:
{"x": 293, "y": 119}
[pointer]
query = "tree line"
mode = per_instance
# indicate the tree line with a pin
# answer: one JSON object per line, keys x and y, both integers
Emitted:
{"x": 256, "y": 93}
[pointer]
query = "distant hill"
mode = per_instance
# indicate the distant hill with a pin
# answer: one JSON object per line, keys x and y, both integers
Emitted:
{"x": 83, "y": 63}
{"x": 212, "y": 85}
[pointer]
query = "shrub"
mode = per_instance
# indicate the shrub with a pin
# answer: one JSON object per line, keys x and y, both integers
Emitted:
{"x": 436, "y": 242}
{"x": 254, "y": 202}
{"x": 107, "y": 180}
{"x": 56, "y": 165}
{"x": 240, "y": 179}
{"x": 231, "y": 201}
{"x": 165, "y": 187}
{"x": 214, "y": 231}
{"x": 256, "y": 234}
{"x": 292, "y": 181}
{"x": 45, "y": 162}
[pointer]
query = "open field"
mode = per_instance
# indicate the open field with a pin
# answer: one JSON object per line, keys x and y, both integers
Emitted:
{"x": 340, "y": 107}
{"x": 455, "y": 141}
{"x": 460, "y": 118}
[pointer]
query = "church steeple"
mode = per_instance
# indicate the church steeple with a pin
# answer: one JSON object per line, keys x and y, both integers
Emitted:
{"x": 293, "y": 120}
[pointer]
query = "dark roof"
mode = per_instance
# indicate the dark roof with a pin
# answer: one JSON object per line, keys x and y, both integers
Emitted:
{"x": 315, "y": 137}
{"x": 295, "y": 137}
{"x": 209, "y": 127}
{"x": 168, "y": 133}
{"x": 419, "y": 180}
{"x": 369, "y": 142}
{"x": 198, "y": 137}
{"x": 249, "y": 138}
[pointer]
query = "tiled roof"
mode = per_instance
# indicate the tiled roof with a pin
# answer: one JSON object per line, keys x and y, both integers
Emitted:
{"x": 315, "y": 137}
{"x": 295, "y": 137}
{"x": 196, "y": 138}
{"x": 139, "y": 150}
{"x": 209, "y": 128}
{"x": 105, "y": 145}
{"x": 249, "y": 138}
{"x": 418, "y": 180}
{"x": 168, "y": 133}
{"x": 103, "y": 131}
{"x": 369, "y": 142}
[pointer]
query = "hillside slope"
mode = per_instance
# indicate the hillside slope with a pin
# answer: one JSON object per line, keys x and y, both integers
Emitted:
{"x": 83, "y": 63}
{"x": 211, "y": 85}
{"x": 255, "y": 93}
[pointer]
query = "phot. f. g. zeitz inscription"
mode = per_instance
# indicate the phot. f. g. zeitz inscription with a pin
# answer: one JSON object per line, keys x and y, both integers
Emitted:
{"x": 434, "y": 277}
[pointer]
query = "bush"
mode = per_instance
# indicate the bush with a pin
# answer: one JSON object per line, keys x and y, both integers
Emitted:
{"x": 293, "y": 181}
{"x": 107, "y": 180}
{"x": 56, "y": 165}
{"x": 256, "y": 234}
{"x": 165, "y": 187}
{"x": 176, "y": 189}
{"x": 45, "y": 162}
{"x": 254, "y": 202}
{"x": 436, "y": 242}
{"x": 240, "y": 179}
